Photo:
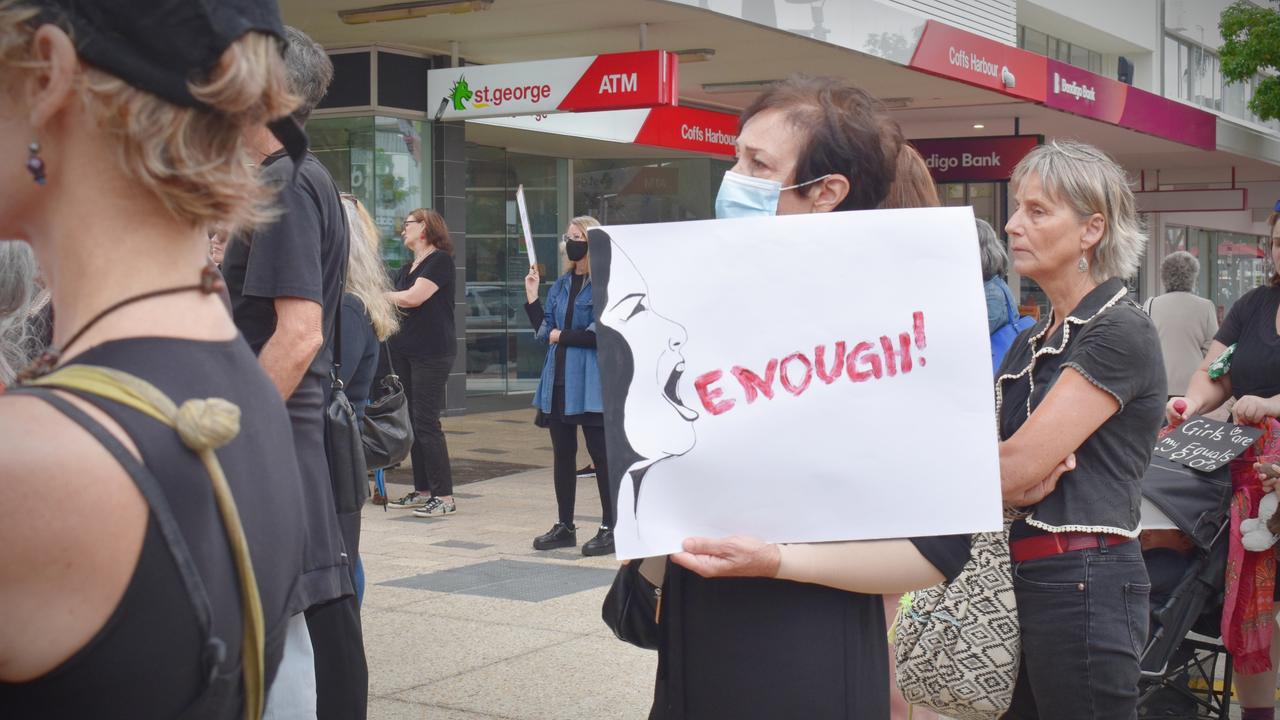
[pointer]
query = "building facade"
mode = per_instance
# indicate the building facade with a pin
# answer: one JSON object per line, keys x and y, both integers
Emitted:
{"x": 974, "y": 85}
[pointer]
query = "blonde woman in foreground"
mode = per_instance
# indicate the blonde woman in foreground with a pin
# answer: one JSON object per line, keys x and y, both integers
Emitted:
{"x": 124, "y": 589}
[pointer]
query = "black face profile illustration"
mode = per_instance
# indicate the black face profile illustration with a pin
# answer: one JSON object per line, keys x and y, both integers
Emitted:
{"x": 646, "y": 420}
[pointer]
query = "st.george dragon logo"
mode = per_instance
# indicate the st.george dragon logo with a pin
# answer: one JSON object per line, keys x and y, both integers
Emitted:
{"x": 460, "y": 93}
{"x": 464, "y": 98}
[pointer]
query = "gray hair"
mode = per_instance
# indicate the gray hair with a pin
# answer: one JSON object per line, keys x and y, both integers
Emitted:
{"x": 1179, "y": 271}
{"x": 1090, "y": 182}
{"x": 21, "y": 301}
{"x": 995, "y": 261}
{"x": 310, "y": 71}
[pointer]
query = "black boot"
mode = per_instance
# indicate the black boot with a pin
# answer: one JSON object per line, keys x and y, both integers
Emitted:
{"x": 560, "y": 535}
{"x": 601, "y": 544}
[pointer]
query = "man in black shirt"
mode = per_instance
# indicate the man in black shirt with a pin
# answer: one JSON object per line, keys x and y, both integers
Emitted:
{"x": 285, "y": 281}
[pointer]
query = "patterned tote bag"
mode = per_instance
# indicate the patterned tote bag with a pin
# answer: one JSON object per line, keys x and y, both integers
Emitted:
{"x": 957, "y": 644}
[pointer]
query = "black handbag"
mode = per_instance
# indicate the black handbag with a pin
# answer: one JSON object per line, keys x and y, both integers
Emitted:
{"x": 631, "y": 607}
{"x": 386, "y": 430}
{"x": 345, "y": 451}
{"x": 343, "y": 447}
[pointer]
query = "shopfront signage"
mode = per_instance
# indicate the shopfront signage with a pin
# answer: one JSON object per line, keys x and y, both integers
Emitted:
{"x": 953, "y": 53}
{"x": 1080, "y": 92}
{"x": 691, "y": 129}
{"x": 677, "y": 128}
{"x": 959, "y": 55}
{"x": 974, "y": 159}
{"x": 614, "y": 81}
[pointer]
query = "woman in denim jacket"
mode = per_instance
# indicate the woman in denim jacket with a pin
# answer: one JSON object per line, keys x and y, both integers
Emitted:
{"x": 568, "y": 393}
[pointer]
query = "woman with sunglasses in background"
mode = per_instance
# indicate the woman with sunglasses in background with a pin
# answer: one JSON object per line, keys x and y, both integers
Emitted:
{"x": 422, "y": 354}
{"x": 568, "y": 395}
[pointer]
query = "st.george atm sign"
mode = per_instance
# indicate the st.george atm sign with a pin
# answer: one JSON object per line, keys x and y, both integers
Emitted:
{"x": 617, "y": 81}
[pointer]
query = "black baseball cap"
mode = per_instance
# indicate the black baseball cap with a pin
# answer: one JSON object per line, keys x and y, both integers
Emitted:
{"x": 158, "y": 46}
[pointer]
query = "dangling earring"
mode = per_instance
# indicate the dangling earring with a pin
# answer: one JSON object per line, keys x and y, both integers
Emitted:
{"x": 1083, "y": 265}
{"x": 35, "y": 164}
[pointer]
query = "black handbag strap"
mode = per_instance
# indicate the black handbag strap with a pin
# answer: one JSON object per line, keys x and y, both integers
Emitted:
{"x": 335, "y": 374}
{"x": 392, "y": 374}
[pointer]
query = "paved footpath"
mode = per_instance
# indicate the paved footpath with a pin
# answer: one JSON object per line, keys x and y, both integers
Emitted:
{"x": 463, "y": 620}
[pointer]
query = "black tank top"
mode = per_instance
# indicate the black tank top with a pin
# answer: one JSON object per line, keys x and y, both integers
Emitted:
{"x": 171, "y": 648}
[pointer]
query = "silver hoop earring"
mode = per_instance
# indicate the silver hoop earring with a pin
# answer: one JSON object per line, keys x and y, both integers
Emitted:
{"x": 1083, "y": 265}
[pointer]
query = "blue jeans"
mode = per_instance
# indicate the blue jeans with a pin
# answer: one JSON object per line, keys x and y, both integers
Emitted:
{"x": 1084, "y": 617}
{"x": 359, "y": 581}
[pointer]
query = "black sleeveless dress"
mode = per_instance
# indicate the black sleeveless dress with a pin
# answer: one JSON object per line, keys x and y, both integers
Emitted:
{"x": 171, "y": 649}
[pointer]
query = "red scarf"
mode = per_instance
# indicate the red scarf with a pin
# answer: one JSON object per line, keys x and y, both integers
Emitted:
{"x": 1247, "y": 613}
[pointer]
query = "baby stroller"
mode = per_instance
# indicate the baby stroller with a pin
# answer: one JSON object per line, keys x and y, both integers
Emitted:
{"x": 1184, "y": 654}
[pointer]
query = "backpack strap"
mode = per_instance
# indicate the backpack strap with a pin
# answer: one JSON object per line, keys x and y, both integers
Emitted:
{"x": 203, "y": 425}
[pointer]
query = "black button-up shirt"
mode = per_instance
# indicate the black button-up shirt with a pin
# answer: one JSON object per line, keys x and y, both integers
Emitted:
{"x": 1113, "y": 344}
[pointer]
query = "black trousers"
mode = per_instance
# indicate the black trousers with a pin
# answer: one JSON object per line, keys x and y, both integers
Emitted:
{"x": 1084, "y": 617}
{"x": 424, "y": 380}
{"x": 342, "y": 674}
{"x": 564, "y": 446}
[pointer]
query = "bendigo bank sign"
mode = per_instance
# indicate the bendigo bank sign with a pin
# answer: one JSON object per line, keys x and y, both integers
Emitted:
{"x": 974, "y": 159}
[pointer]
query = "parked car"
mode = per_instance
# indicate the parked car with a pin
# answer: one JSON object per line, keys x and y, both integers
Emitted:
{"x": 493, "y": 311}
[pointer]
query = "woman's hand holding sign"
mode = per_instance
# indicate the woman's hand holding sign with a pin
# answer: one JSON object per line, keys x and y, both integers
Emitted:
{"x": 1178, "y": 410}
{"x": 1252, "y": 409}
{"x": 735, "y": 556}
{"x": 531, "y": 282}
{"x": 739, "y": 556}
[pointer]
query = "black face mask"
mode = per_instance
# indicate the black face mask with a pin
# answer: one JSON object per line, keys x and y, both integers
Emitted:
{"x": 575, "y": 249}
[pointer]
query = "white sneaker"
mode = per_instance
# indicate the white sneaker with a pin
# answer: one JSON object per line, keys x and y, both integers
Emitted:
{"x": 414, "y": 499}
{"x": 436, "y": 506}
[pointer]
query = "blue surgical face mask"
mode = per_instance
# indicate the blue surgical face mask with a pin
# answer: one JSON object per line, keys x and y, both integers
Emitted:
{"x": 746, "y": 196}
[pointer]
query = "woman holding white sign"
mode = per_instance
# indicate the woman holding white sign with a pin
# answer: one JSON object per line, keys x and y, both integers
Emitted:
{"x": 1251, "y": 374}
{"x": 1094, "y": 388}
{"x": 568, "y": 395}
{"x": 754, "y": 630}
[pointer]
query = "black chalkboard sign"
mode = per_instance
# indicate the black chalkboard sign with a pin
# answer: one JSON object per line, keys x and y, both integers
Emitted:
{"x": 1206, "y": 445}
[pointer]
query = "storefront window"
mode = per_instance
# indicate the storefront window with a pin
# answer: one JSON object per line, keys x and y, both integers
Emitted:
{"x": 1194, "y": 74}
{"x": 1231, "y": 264}
{"x": 618, "y": 192}
{"x": 1058, "y": 49}
{"x": 1241, "y": 265}
{"x": 383, "y": 161}
{"x": 987, "y": 199}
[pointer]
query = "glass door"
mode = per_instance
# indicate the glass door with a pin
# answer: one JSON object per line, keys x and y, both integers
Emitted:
{"x": 502, "y": 355}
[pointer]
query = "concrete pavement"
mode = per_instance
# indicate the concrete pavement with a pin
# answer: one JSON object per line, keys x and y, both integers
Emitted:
{"x": 463, "y": 620}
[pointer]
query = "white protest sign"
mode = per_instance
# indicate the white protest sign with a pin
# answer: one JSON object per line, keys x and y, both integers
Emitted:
{"x": 524, "y": 225}
{"x": 801, "y": 378}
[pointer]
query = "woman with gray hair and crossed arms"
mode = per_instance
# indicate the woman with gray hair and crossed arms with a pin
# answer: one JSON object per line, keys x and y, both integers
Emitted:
{"x": 1088, "y": 380}
{"x": 1185, "y": 321}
